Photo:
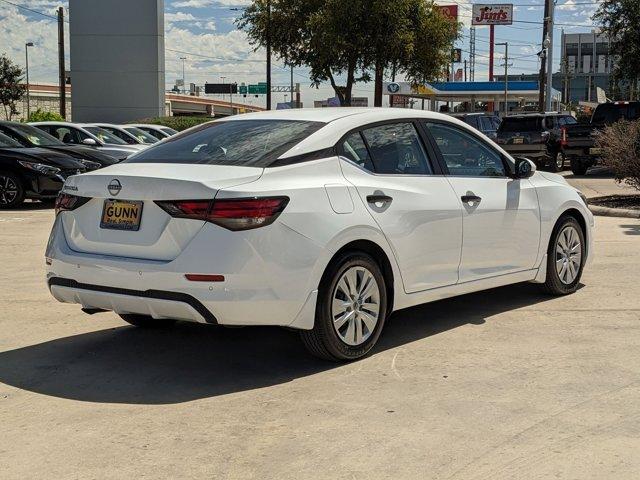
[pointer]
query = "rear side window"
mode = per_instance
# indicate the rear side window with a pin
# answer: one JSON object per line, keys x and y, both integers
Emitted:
{"x": 355, "y": 150}
{"x": 396, "y": 148}
{"x": 610, "y": 113}
{"x": 487, "y": 124}
{"x": 531, "y": 124}
{"x": 245, "y": 143}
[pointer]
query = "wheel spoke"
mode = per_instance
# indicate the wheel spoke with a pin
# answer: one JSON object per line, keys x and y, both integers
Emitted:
{"x": 358, "y": 330}
{"x": 369, "y": 320}
{"x": 351, "y": 277}
{"x": 370, "y": 307}
{"x": 338, "y": 306}
{"x": 339, "y": 323}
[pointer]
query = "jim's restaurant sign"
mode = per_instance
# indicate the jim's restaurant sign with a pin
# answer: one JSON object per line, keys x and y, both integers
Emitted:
{"x": 492, "y": 14}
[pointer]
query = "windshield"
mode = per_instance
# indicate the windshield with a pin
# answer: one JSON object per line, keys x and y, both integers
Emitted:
{"x": 142, "y": 136}
{"x": 35, "y": 136}
{"x": 104, "y": 136}
{"x": 250, "y": 143}
{"x": 521, "y": 124}
{"x": 6, "y": 142}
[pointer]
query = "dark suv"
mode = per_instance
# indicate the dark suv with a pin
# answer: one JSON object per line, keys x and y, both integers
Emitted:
{"x": 538, "y": 137}
{"x": 486, "y": 123}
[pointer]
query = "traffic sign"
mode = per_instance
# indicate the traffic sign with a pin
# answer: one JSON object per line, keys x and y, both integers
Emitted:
{"x": 259, "y": 89}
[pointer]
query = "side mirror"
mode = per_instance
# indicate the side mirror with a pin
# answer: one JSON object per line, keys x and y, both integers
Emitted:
{"x": 89, "y": 141}
{"x": 525, "y": 168}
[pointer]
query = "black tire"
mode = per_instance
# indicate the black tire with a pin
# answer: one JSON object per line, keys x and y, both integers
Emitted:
{"x": 556, "y": 164}
{"x": 323, "y": 341}
{"x": 553, "y": 284}
{"x": 578, "y": 168}
{"x": 12, "y": 193}
{"x": 145, "y": 321}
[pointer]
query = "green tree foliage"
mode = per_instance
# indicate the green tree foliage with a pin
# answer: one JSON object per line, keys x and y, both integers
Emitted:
{"x": 42, "y": 116}
{"x": 343, "y": 42}
{"x": 620, "y": 20}
{"x": 11, "y": 90}
{"x": 177, "y": 123}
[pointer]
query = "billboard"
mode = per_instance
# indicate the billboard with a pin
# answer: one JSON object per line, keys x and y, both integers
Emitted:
{"x": 449, "y": 11}
{"x": 220, "y": 88}
{"x": 492, "y": 14}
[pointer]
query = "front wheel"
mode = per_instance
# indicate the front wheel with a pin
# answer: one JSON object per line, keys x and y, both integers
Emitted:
{"x": 146, "y": 321}
{"x": 578, "y": 168}
{"x": 351, "y": 309}
{"x": 565, "y": 257}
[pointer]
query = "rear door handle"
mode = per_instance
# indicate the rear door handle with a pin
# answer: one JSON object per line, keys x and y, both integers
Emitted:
{"x": 379, "y": 198}
{"x": 470, "y": 199}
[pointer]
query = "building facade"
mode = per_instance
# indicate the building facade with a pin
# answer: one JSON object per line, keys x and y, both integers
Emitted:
{"x": 585, "y": 65}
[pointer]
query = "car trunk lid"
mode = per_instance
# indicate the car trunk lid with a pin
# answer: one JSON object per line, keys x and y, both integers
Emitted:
{"x": 158, "y": 236}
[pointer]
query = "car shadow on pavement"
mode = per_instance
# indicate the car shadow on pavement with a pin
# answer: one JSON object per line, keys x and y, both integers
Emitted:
{"x": 191, "y": 361}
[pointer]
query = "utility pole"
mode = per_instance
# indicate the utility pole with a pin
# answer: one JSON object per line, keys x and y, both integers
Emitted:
{"x": 506, "y": 77}
{"x": 268, "y": 54}
{"x": 472, "y": 54}
{"x": 548, "y": 105}
{"x": 292, "y": 87}
{"x": 26, "y": 60}
{"x": 465, "y": 70}
{"x": 543, "y": 55}
{"x": 61, "y": 77}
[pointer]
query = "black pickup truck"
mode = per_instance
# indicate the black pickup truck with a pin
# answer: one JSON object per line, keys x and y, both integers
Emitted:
{"x": 578, "y": 139}
{"x": 537, "y": 136}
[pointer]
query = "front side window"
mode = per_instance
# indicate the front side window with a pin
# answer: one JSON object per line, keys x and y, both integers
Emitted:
{"x": 245, "y": 143}
{"x": 396, "y": 148}
{"x": 464, "y": 154}
{"x": 117, "y": 133}
{"x": 104, "y": 136}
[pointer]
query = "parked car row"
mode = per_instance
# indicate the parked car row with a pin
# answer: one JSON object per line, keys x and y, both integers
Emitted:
{"x": 36, "y": 158}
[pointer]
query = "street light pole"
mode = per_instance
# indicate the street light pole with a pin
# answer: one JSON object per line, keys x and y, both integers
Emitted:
{"x": 184, "y": 83}
{"x": 549, "y": 84}
{"x": 26, "y": 58}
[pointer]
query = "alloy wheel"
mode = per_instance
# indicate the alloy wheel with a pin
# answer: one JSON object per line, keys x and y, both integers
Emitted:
{"x": 8, "y": 190}
{"x": 568, "y": 254}
{"x": 355, "y": 308}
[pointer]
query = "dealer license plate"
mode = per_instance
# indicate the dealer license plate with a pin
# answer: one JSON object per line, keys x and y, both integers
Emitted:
{"x": 121, "y": 215}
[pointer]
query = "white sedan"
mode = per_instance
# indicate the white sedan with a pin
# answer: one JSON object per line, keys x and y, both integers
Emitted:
{"x": 325, "y": 221}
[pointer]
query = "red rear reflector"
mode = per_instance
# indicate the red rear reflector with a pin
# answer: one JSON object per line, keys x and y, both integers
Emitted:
{"x": 232, "y": 214}
{"x": 196, "y": 277}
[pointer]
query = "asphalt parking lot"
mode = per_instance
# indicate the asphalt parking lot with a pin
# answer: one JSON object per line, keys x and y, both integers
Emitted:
{"x": 507, "y": 383}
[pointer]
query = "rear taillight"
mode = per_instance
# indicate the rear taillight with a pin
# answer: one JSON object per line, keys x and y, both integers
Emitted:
{"x": 66, "y": 202}
{"x": 563, "y": 136}
{"x": 232, "y": 214}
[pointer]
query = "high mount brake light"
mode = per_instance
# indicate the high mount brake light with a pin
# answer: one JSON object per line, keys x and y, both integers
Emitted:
{"x": 232, "y": 213}
{"x": 66, "y": 202}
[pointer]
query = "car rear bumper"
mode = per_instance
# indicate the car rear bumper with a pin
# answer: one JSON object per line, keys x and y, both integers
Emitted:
{"x": 265, "y": 283}
{"x": 527, "y": 150}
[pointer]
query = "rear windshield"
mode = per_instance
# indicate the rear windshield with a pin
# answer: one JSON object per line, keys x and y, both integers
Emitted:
{"x": 247, "y": 143}
{"x": 521, "y": 124}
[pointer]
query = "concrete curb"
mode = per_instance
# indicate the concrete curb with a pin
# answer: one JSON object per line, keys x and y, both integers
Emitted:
{"x": 614, "y": 212}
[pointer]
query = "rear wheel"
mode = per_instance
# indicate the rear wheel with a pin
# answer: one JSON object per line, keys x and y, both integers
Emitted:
{"x": 351, "y": 309}
{"x": 145, "y": 321}
{"x": 578, "y": 168}
{"x": 557, "y": 162}
{"x": 565, "y": 257}
{"x": 11, "y": 190}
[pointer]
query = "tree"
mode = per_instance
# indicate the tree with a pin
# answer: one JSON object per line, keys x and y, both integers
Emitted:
{"x": 413, "y": 38}
{"x": 11, "y": 88}
{"x": 347, "y": 40}
{"x": 619, "y": 20}
{"x": 42, "y": 116}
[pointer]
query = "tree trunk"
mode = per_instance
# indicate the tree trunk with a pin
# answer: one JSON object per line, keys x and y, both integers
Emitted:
{"x": 379, "y": 74}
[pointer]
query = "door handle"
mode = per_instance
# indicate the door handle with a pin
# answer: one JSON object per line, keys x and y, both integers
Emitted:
{"x": 379, "y": 198}
{"x": 470, "y": 199}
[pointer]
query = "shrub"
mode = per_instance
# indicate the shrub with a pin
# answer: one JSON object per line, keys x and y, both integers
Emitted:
{"x": 41, "y": 116}
{"x": 620, "y": 144}
{"x": 177, "y": 123}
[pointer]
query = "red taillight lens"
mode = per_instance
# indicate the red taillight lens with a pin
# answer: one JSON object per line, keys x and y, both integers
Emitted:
{"x": 232, "y": 214}
{"x": 563, "y": 138}
{"x": 66, "y": 202}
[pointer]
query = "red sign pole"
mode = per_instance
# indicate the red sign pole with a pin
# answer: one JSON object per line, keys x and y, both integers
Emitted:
{"x": 491, "y": 44}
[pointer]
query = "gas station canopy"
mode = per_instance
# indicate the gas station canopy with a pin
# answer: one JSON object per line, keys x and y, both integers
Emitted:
{"x": 465, "y": 91}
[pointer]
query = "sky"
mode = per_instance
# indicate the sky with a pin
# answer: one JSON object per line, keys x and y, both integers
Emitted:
{"x": 205, "y": 33}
